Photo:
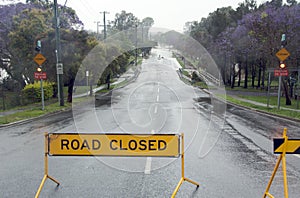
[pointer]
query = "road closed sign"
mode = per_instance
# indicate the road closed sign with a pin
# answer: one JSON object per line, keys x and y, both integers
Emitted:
{"x": 68, "y": 144}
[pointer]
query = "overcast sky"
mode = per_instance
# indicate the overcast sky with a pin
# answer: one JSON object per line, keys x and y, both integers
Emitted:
{"x": 169, "y": 14}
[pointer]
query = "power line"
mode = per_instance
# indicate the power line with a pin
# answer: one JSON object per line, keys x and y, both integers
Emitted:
{"x": 87, "y": 10}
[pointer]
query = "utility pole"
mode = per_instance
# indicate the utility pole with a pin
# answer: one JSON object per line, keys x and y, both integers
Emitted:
{"x": 142, "y": 32}
{"x": 97, "y": 22}
{"x": 136, "y": 43}
{"x": 59, "y": 65}
{"x": 104, "y": 22}
{"x": 298, "y": 85}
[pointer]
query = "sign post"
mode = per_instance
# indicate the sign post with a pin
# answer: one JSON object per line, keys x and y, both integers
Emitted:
{"x": 46, "y": 175}
{"x": 282, "y": 55}
{"x": 268, "y": 94}
{"x": 40, "y": 59}
{"x": 298, "y": 90}
{"x": 283, "y": 146}
{"x": 298, "y": 87}
{"x": 279, "y": 93}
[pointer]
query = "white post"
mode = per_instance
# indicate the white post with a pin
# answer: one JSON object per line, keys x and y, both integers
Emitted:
{"x": 279, "y": 92}
{"x": 42, "y": 93}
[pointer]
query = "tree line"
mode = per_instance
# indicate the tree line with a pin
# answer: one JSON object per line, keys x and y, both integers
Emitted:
{"x": 247, "y": 39}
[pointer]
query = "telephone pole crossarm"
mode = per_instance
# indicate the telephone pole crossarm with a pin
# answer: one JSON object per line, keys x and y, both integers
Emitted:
{"x": 104, "y": 23}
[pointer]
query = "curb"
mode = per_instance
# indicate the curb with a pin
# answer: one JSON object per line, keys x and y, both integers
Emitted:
{"x": 285, "y": 118}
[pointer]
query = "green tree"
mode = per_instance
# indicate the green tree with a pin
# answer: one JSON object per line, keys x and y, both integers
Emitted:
{"x": 219, "y": 20}
{"x": 124, "y": 21}
{"x": 75, "y": 46}
{"x": 148, "y": 21}
{"x": 28, "y": 27}
{"x": 146, "y": 24}
{"x": 37, "y": 24}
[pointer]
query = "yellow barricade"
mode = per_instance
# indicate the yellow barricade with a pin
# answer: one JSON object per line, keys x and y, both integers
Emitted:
{"x": 151, "y": 145}
{"x": 283, "y": 146}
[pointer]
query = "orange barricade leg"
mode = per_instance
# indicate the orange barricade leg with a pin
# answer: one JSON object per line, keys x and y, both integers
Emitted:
{"x": 46, "y": 176}
{"x": 183, "y": 178}
{"x": 283, "y": 159}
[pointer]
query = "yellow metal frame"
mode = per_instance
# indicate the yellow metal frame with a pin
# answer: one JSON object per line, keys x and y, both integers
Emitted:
{"x": 46, "y": 176}
{"x": 283, "y": 159}
{"x": 183, "y": 178}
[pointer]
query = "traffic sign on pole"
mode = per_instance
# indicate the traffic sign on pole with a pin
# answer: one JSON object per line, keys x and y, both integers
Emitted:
{"x": 39, "y": 59}
{"x": 59, "y": 68}
{"x": 281, "y": 72}
{"x": 40, "y": 75}
{"x": 282, "y": 54}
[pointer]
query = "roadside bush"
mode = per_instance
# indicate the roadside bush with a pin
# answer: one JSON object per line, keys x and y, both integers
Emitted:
{"x": 195, "y": 77}
{"x": 32, "y": 92}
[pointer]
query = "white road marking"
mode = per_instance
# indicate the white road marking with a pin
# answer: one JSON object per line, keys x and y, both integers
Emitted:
{"x": 157, "y": 99}
{"x": 148, "y": 166}
{"x": 148, "y": 162}
{"x": 296, "y": 155}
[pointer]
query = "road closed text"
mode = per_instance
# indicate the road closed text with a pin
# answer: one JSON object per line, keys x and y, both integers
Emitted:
{"x": 76, "y": 144}
{"x": 141, "y": 145}
{"x": 114, "y": 145}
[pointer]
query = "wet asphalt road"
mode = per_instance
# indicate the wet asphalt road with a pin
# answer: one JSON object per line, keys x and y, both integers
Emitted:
{"x": 229, "y": 155}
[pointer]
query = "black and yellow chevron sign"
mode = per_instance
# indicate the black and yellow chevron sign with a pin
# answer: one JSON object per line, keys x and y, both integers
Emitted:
{"x": 292, "y": 146}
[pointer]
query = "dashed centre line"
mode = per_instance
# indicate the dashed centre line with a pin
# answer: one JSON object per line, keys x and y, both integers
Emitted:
{"x": 155, "y": 109}
{"x": 148, "y": 161}
{"x": 148, "y": 166}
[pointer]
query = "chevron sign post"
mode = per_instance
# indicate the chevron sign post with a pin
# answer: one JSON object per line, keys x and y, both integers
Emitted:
{"x": 282, "y": 146}
{"x": 291, "y": 146}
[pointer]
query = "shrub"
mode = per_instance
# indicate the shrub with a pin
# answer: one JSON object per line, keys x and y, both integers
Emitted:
{"x": 32, "y": 92}
{"x": 195, "y": 77}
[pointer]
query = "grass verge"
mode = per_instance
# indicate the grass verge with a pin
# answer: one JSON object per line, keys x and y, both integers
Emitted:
{"x": 275, "y": 111}
{"x": 272, "y": 101}
{"x": 35, "y": 110}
